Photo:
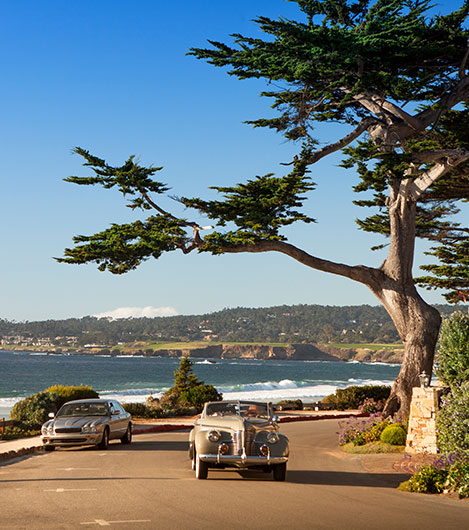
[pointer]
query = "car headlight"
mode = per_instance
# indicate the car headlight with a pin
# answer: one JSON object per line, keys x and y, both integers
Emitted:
{"x": 273, "y": 438}
{"x": 214, "y": 436}
{"x": 47, "y": 429}
{"x": 88, "y": 428}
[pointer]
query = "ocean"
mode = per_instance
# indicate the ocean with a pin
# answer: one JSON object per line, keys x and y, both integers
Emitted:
{"x": 132, "y": 379}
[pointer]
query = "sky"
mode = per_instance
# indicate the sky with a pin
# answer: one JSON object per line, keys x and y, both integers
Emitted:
{"x": 114, "y": 77}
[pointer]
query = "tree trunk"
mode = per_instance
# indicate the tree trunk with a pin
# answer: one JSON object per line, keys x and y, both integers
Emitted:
{"x": 416, "y": 322}
{"x": 418, "y": 325}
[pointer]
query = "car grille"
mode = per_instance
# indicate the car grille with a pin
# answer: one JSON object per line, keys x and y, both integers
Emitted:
{"x": 67, "y": 429}
{"x": 68, "y": 440}
{"x": 252, "y": 448}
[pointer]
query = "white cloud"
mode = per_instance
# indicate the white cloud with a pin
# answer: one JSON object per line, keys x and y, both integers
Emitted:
{"x": 138, "y": 312}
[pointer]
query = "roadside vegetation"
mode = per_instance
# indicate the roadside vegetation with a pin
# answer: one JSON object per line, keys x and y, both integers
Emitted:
{"x": 30, "y": 413}
{"x": 185, "y": 398}
{"x": 449, "y": 473}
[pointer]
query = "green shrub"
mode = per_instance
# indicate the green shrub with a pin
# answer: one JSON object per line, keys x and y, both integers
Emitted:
{"x": 374, "y": 433}
{"x": 394, "y": 434}
{"x": 354, "y": 430}
{"x": 428, "y": 479}
{"x": 370, "y": 406}
{"x": 198, "y": 395}
{"x": 453, "y": 358}
{"x": 188, "y": 395}
{"x": 452, "y": 422}
{"x": 352, "y": 397}
{"x": 70, "y": 393}
{"x": 141, "y": 410}
{"x": 33, "y": 411}
{"x": 458, "y": 478}
{"x": 289, "y": 404}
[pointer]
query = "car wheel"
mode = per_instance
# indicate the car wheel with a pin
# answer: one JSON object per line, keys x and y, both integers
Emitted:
{"x": 104, "y": 443}
{"x": 127, "y": 438}
{"x": 201, "y": 468}
{"x": 192, "y": 457}
{"x": 280, "y": 472}
{"x": 49, "y": 447}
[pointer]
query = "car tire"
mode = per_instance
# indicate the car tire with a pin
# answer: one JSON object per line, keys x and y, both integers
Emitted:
{"x": 280, "y": 472}
{"x": 49, "y": 447}
{"x": 201, "y": 468}
{"x": 127, "y": 438}
{"x": 192, "y": 457}
{"x": 104, "y": 443}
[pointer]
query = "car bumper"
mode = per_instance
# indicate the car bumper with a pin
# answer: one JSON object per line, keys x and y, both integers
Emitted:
{"x": 74, "y": 439}
{"x": 243, "y": 461}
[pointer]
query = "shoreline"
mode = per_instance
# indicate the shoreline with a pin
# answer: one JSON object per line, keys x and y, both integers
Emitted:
{"x": 235, "y": 351}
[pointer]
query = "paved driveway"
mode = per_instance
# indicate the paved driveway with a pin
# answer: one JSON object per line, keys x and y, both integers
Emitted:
{"x": 150, "y": 485}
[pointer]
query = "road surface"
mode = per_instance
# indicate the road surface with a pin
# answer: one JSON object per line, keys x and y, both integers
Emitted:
{"x": 150, "y": 485}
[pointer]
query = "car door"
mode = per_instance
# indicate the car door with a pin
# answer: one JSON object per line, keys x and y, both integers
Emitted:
{"x": 118, "y": 420}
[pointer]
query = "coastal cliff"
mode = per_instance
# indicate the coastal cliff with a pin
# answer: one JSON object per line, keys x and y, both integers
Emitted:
{"x": 289, "y": 352}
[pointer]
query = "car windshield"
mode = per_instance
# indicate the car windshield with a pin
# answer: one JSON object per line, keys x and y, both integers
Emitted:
{"x": 83, "y": 409}
{"x": 238, "y": 408}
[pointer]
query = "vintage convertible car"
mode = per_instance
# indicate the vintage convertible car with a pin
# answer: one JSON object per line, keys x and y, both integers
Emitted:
{"x": 240, "y": 434}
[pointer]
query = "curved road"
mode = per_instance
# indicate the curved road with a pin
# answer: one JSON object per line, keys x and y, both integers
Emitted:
{"x": 150, "y": 485}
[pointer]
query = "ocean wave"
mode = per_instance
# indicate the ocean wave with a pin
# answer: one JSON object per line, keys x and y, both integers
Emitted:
{"x": 206, "y": 361}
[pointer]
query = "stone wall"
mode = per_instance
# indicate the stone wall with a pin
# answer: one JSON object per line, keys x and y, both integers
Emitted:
{"x": 421, "y": 434}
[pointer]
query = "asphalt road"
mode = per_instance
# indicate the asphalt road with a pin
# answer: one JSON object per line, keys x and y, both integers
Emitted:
{"x": 150, "y": 485}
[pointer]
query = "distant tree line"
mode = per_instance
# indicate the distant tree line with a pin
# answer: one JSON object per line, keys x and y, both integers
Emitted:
{"x": 288, "y": 324}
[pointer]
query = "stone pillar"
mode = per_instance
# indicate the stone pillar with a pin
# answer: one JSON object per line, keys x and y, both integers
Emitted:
{"x": 421, "y": 434}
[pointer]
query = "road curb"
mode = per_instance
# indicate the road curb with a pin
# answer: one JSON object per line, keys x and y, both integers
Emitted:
{"x": 291, "y": 419}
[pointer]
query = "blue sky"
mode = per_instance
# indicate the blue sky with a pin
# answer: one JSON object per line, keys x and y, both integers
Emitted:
{"x": 113, "y": 77}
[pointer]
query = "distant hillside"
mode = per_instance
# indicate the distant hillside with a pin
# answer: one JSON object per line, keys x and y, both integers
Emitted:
{"x": 282, "y": 324}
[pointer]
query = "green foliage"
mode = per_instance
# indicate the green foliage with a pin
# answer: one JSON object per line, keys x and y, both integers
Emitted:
{"x": 353, "y": 396}
{"x": 188, "y": 394}
{"x": 285, "y": 323}
{"x": 373, "y": 434}
{"x": 372, "y": 448}
{"x": 70, "y": 393}
{"x": 458, "y": 478}
{"x": 184, "y": 378}
{"x": 258, "y": 208}
{"x": 394, "y": 434}
{"x": 360, "y": 431}
{"x": 452, "y": 422}
{"x": 142, "y": 410}
{"x": 33, "y": 411}
{"x": 21, "y": 430}
{"x": 198, "y": 395}
{"x": 428, "y": 479}
{"x": 453, "y": 357}
{"x": 289, "y": 404}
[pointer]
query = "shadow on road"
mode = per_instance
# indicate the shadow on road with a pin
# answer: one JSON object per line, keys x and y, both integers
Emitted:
{"x": 346, "y": 478}
{"x": 158, "y": 446}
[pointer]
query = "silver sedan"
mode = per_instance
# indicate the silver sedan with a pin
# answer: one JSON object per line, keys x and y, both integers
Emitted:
{"x": 87, "y": 422}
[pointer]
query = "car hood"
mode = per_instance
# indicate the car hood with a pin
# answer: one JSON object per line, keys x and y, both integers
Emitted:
{"x": 68, "y": 421}
{"x": 234, "y": 423}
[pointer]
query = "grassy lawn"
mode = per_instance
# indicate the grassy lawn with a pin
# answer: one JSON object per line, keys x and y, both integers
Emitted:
{"x": 191, "y": 345}
{"x": 374, "y": 347}
{"x": 372, "y": 448}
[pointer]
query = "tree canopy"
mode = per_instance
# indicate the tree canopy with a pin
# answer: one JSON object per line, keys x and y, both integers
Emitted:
{"x": 395, "y": 75}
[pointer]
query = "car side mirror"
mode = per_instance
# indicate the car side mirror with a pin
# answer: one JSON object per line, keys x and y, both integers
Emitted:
{"x": 275, "y": 418}
{"x": 51, "y": 415}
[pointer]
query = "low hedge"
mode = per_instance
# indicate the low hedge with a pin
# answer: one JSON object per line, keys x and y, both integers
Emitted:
{"x": 33, "y": 411}
{"x": 352, "y": 397}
